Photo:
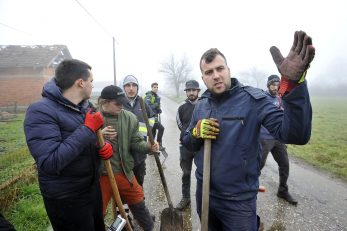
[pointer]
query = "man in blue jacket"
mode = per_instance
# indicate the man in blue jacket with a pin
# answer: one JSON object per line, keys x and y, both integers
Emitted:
{"x": 60, "y": 131}
{"x": 231, "y": 115}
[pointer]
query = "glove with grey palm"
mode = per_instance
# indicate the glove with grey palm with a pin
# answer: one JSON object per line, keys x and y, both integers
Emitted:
{"x": 299, "y": 58}
{"x": 206, "y": 129}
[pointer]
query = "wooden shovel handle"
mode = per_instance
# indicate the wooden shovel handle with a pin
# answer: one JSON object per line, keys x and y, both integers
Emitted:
{"x": 206, "y": 185}
{"x": 112, "y": 180}
{"x": 157, "y": 160}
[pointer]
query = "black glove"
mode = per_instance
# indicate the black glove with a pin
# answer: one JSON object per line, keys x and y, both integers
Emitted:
{"x": 299, "y": 58}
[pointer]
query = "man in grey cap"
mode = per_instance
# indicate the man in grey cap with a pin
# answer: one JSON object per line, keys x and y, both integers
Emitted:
{"x": 184, "y": 114}
{"x": 131, "y": 88}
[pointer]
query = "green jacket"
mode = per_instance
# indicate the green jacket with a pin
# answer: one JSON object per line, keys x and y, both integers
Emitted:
{"x": 128, "y": 141}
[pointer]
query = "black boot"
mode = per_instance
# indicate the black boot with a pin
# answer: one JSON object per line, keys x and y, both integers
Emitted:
{"x": 286, "y": 196}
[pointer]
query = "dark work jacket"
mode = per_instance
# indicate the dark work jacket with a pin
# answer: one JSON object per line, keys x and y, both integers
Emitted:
{"x": 63, "y": 148}
{"x": 183, "y": 116}
{"x": 136, "y": 109}
{"x": 236, "y": 153}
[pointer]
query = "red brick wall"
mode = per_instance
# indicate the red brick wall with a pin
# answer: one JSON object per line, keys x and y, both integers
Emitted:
{"x": 21, "y": 89}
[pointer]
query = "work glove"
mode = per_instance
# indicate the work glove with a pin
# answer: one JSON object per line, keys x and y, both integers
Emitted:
{"x": 206, "y": 129}
{"x": 106, "y": 151}
{"x": 295, "y": 65}
{"x": 93, "y": 121}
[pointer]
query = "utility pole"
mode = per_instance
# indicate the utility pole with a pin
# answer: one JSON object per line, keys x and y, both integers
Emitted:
{"x": 114, "y": 62}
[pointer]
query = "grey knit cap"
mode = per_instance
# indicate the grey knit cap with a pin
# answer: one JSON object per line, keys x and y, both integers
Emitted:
{"x": 130, "y": 79}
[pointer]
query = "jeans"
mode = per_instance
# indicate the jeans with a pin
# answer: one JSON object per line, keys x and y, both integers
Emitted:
{"x": 140, "y": 172}
{"x": 83, "y": 213}
{"x": 160, "y": 127}
{"x": 229, "y": 214}
{"x": 186, "y": 161}
{"x": 279, "y": 153}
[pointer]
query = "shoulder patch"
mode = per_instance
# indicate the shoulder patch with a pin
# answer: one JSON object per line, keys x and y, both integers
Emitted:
{"x": 256, "y": 93}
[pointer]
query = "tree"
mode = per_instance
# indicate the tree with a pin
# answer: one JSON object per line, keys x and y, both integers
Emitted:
{"x": 254, "y": 77}
{"x": 176, "y": 72}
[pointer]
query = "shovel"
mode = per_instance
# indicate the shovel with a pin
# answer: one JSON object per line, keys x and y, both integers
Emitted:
{"x": 113, "y": 183}
{"x": 206, "y": 185}
{"x": 171, "y": 219}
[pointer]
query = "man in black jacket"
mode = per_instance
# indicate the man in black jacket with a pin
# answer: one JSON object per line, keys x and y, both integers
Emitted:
{"x": 184, "y": 114}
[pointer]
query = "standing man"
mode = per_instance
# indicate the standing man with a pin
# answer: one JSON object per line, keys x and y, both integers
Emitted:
{"x": 184, "y": 114}
{"x": 60, "y": 133}
{"x": 131, "y": 88}
{"x": 153, "y": 100}
{"x": 231, "y": 115}
{"x": 277, "y": 149}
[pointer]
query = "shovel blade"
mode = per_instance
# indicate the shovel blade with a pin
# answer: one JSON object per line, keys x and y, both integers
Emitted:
{"x": 171, "y": 220}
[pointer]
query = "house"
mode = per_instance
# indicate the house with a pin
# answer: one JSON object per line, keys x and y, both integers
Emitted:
{"x": 24, "y": 70}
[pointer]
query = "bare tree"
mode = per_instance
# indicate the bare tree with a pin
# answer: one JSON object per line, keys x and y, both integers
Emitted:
{"x": 254, "y": 77}
{"x": 176, "y": 71}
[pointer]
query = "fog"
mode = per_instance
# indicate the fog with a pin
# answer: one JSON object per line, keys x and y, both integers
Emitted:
{"x": 147, "y": 32}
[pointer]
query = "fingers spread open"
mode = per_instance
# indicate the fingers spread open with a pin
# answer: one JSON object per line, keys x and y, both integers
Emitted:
{"x": 300, "y": 36}
{"x": 276, "y": 55}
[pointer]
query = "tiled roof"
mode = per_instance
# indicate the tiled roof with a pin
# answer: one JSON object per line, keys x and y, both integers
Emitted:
{"x": 32, "y": 56}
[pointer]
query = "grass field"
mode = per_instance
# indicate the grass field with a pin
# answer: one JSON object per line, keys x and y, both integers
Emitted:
{"x": 327, "y": 148}
{"x": 22, "y": 203}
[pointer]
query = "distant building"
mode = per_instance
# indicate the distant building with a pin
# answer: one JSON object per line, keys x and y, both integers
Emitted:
{"x": 24, "y": 70}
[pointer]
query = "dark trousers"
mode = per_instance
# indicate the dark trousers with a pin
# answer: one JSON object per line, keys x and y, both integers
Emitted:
{"x": 279, "y": 153}
{"x": 158, "y": 126}
{"x": 83, "y": 213}
{"x": 140, "y": 172}
{"x": 186, "y": 161}
{"x": 228, "y": 214}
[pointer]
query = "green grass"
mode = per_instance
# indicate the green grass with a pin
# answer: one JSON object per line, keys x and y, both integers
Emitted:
{"x": 21, "y": 202}
{"x": 28, "y": 212}
{"x": 327, "y": 148}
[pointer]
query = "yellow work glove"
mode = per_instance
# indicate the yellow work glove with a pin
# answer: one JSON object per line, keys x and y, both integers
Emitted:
{"x": 206, "y": 129}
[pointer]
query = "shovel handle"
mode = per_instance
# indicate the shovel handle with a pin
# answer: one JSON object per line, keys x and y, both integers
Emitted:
{"x": 151, "y": 140}
{"x": 206, "y": 185}
{"x": 112, "y": 180}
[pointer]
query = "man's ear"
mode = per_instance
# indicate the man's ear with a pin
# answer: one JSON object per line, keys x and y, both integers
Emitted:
{"x": 79, "y": 82}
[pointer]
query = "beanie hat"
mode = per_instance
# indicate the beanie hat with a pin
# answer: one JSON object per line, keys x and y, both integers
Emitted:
{"x": 130, "y": 79}
{"x": 271, "y": 79}
{"x": 192, "y": 84}
{"x": 114, "y": 92}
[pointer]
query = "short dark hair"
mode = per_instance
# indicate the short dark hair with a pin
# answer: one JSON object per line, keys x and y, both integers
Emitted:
{"x": 210, "y": 55}
{"x": 69, "y": 70}
{"x": 153, "y": 84}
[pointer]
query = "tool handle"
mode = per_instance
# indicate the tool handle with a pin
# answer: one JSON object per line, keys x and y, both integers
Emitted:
{"x": 151, "y": 140}
{"x": 112, "y": 180}
{"x": 206, "y": 185}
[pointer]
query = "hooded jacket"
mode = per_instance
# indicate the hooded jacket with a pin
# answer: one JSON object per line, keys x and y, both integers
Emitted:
{"x": 128, "y": 141}
{"x": 236, "y": 153}
{"x": 63, "y": 148}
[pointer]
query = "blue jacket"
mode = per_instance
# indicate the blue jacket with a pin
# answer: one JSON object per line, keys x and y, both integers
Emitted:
{"x": 63, "y": 148}
{"x": 276, "y": 100}
{"x": 236, "y": 153}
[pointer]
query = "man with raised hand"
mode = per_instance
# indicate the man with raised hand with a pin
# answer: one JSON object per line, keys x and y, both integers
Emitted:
{"x": 231, "y": 115}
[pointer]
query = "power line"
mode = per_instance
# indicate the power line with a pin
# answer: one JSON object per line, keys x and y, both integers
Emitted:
{"x": 18, "y": 30}
{"x": 94, "y": 19}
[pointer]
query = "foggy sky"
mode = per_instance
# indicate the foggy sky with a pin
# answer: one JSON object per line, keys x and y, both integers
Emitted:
{"x": 147, "y": 32}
